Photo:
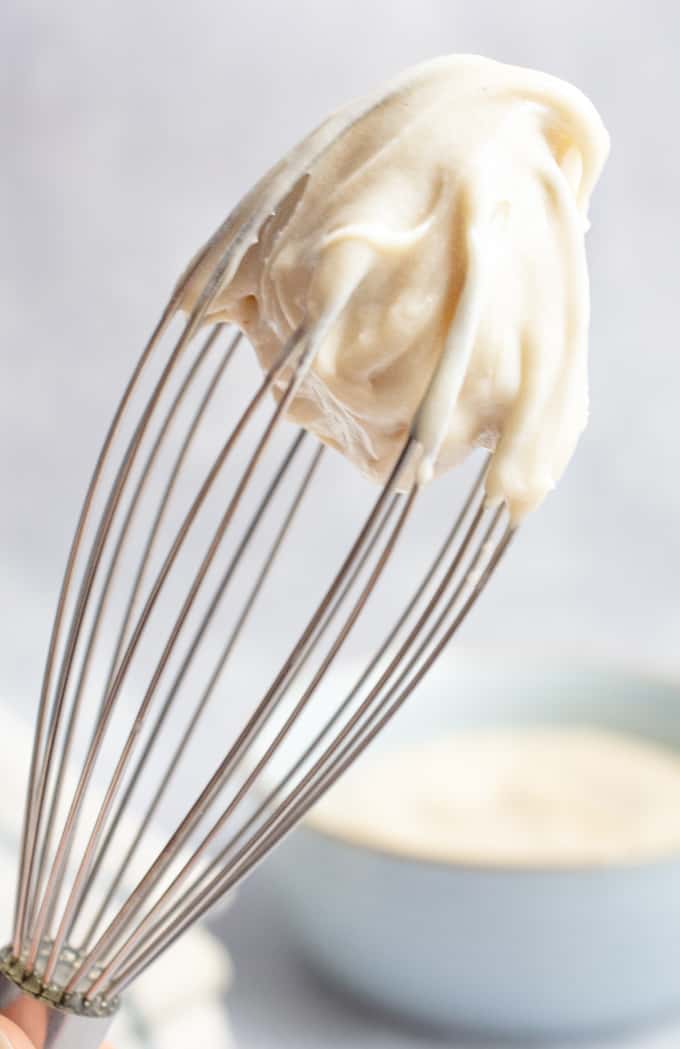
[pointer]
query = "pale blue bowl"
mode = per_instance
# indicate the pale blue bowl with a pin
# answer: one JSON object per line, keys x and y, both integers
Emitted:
{"x": 522, "y": 953}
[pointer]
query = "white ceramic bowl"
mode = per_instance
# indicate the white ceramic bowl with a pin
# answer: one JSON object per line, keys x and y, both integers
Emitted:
{"x": 516, "y": 952}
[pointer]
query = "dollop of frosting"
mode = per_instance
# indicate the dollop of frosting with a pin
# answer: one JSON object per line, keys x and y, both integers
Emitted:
{"x": 431, "y": 242}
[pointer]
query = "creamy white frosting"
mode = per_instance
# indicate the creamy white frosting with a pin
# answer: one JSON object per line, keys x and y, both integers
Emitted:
{"x": 432, "y": 238}
{"x": 527, "y": 797}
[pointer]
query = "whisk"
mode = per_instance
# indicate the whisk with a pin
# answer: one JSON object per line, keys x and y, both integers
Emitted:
{"x": 166, "y": 587}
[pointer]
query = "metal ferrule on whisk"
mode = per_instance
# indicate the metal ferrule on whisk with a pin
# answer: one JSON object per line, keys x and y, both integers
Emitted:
{"x": 51, "y": 1019}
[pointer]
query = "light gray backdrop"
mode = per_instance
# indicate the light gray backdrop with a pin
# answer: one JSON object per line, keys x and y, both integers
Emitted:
{"x": 129, "y": 129}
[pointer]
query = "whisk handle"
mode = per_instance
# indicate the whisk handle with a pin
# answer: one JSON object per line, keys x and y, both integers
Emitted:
{"x": 48, "y": 1025}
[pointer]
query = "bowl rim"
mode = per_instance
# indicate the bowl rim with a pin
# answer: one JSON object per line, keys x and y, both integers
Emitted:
{"x": 491, "y": 870}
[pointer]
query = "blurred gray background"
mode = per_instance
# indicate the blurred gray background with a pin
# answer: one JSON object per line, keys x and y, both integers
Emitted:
{"x": 130, "y": 129}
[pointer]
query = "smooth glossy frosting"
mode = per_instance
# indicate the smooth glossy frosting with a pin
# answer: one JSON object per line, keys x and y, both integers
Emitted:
{"x": 527, "y": 797}
{"x": 434, "y": 242}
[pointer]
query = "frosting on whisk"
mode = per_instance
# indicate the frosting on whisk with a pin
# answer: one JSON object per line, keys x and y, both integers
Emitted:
{"x": 443, "y": 230}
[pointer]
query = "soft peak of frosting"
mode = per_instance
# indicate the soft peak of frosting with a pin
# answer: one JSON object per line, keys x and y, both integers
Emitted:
{"x": 439, "y": 237}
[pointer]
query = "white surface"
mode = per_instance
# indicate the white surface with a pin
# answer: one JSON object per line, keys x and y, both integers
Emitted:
{"x": 129, "y": 130}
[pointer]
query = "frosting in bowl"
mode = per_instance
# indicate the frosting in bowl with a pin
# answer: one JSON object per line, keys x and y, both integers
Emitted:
{"x": 531, "y": 797}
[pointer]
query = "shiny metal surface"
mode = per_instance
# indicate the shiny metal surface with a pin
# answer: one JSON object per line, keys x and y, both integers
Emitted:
{"x": 47, "y": 1024}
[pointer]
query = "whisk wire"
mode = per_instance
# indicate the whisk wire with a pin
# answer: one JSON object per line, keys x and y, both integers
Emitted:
{"x": 367, "y": 703}
{"x": 300, "y": 799}
{"x": 163, "y": 505}
{"x": 66, "y": 746}
{"x": 323, "y": 625}
{"x": 41, "y": 761}
{"x": 252, "y": 776}
{"x": 365, "y": 675}
{"x": 253, "y": 725}
{"x": 211, "y": 684}
{"x": 38, "y": 768}
{"x": 293, "y": 350}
